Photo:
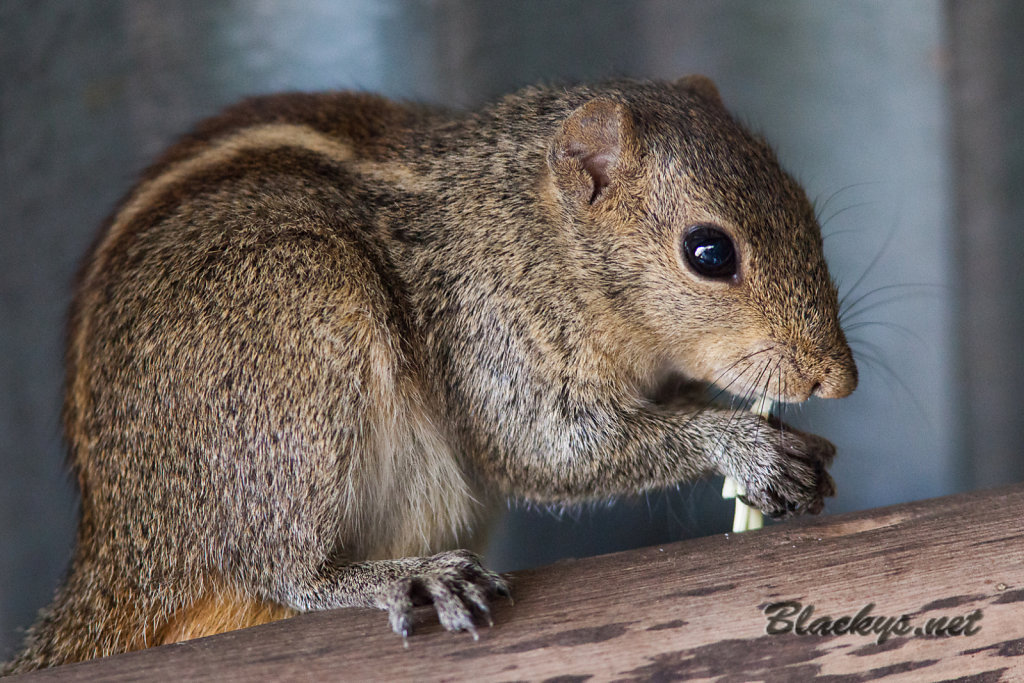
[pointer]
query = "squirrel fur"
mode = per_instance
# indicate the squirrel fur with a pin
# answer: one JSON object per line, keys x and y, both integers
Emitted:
{"x": 324, "y": 331}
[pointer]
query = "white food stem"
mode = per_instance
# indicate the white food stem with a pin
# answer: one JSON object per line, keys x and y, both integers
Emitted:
{"x": 746, "y": 517}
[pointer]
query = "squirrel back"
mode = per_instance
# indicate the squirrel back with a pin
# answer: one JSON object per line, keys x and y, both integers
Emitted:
{"x": 324, "y": 332}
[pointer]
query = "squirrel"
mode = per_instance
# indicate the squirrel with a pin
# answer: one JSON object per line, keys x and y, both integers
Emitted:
{"x": 324, "y": 331}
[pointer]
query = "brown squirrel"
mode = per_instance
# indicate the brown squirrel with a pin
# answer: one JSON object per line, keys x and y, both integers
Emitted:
{"x": 325, "y": 329}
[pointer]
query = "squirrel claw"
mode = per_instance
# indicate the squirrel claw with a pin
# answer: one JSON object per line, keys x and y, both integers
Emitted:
{"x": 455, "y": 583}
{"x": 503, "y": 590}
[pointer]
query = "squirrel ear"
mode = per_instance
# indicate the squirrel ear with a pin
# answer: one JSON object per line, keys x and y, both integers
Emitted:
{"x": 702, "y": 86}
{"x": 586, "y": 154}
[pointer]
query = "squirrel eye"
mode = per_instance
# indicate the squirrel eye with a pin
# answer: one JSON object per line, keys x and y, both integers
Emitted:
{"x": 710, "y": 252}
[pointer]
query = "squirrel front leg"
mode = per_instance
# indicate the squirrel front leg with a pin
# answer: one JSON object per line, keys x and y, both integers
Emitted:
{"x": 603, "y": 451}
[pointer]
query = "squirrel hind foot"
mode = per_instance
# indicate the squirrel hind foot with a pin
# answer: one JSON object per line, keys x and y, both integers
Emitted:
{"x": 455, "y": 582}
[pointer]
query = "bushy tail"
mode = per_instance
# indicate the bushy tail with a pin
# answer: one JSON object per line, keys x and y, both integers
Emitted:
{"x": 93, "y": 615}
{"x": 89, "y": 617}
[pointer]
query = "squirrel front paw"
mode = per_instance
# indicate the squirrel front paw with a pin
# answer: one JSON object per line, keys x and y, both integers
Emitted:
{"x": 455, "y": 582}
{"x": 782, "y": 470}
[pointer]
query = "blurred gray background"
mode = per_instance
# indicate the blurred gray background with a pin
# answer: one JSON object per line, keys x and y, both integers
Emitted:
{"x": 900, "y": 117}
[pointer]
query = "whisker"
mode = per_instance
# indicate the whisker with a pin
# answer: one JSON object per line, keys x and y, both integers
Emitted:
{"x": 851, "y": 308}
{"x": 818, "y": 210}
{"x": 737, "y": 362}
{"x": 870, "y": 307}
{"x": 711, "y": 401}
{"x": 750, "y": 387}
{"x": 778, "y": 394}
{"x": 836, "y": 233}
{"x": 874, "y": 348}
{"x": 764, "y": 393}
{"x": 721, "y": 390}
{"x": 871, "y": 266}
{"x": 886, "y": 324}
{"x": 890, "y": 376}
{"x": 842, "y": 211}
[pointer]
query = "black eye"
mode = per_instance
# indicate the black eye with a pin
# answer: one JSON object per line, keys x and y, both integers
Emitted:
{"x": 709, "y": 252}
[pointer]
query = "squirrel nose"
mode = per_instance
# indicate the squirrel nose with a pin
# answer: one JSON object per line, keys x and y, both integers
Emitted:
{"x": 837, "y": 378}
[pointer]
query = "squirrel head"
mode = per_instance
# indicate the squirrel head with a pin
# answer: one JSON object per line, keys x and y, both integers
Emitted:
{"x": 704, "y": 249}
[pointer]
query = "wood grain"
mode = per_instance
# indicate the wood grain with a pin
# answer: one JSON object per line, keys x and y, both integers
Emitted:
{"x": 690, "y": 610}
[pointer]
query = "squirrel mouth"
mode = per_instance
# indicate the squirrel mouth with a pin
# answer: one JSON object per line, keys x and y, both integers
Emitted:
{"x": 671, "y": 388}
{"x": 675, "y": 390}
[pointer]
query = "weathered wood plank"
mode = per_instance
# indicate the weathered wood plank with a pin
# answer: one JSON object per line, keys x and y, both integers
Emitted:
{"x": 690, "y": 610}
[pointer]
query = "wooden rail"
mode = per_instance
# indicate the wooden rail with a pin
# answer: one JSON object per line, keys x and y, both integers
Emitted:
{"x": 689, "y": 610}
